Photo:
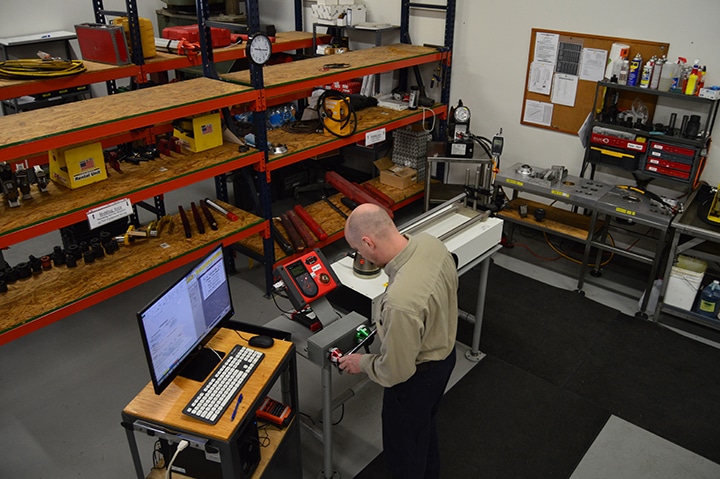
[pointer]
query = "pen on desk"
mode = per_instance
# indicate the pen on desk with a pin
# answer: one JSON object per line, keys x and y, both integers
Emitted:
{"x": 232, "y": 418}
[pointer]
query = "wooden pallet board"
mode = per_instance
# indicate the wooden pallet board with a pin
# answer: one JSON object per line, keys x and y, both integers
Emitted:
{"x": 312, "y": 68}
{"x": 368, "y": 119}
{"x": 59, "y": 201}
{"x": 556, "y": 220}
{"x": 51, "y": 290}
{"x": 71, "y": 117}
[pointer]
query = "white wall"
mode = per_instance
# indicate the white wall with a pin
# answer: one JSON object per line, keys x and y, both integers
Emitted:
{"x": 491, "y": 50}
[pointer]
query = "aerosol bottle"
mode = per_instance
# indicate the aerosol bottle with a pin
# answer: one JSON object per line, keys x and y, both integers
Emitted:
{"x": 635, "y": 70}
{"x": 657, "y": 71}
{"x": 647, "y": 73}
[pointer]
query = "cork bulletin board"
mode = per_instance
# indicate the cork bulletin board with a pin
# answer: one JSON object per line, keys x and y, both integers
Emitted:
{"x": 556, "y": 97}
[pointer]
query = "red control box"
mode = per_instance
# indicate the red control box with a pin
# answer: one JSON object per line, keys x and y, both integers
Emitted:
{"x": 307, "y": 278}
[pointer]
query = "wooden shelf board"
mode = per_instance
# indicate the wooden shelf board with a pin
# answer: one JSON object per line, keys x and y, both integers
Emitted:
{"x": 53, "y": 294}
{"x": 309, "y": 72}
{"x": 557, "y": 220}
{"x": 61, "y": 207}
{"x": 102, "y": 72}
{"x": 301, "y": 146}
{"x": 62, "y": 125}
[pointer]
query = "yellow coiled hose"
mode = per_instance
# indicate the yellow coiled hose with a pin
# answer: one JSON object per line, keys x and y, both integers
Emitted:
{"x": 32, "y": 68}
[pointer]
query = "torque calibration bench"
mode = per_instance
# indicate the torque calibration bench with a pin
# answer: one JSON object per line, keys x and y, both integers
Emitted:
{"x": 605, "y": 202}
{"x": 471, "y": 235}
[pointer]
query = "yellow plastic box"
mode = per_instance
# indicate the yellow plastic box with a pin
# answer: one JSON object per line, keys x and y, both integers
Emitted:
{"x": 206, "y": 132}
{"x": 77, "y": 166}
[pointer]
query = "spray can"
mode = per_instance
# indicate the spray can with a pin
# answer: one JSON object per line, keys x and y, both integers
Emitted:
{"x": 647, "y": 73}
{"x": 657, "y": 71}
{"x": 414, "y": 98}
{"x": 635, "y": 70}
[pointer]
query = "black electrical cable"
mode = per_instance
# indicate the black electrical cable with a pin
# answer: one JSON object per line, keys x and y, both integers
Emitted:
{"x": 303, "y": 126}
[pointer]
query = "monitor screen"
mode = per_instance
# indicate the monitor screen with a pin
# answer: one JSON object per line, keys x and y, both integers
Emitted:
{"x": 176, "y": 325}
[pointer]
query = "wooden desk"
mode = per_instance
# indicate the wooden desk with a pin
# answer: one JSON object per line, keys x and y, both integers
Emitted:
{"x": 164, "y": 411}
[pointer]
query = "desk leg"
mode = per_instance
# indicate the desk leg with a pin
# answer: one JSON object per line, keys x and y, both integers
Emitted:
{"x": 137, "y": 462}
{"x": 474, "y": 354}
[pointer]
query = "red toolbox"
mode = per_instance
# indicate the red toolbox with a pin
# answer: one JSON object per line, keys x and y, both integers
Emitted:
{"x": 670, "y": 160}
{"x": 102, "y": 43}
{"x": 220, "y": 36}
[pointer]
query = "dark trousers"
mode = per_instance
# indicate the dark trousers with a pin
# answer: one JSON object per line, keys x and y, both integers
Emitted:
{"x": 410, "y": 441}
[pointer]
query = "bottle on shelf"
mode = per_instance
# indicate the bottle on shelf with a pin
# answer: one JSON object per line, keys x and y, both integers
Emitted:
{"x": 635, "y": 70}
{"x": 709, "y": 302}
{"x": 623, "y": 75}
{"x": 701, "y": 80}
{"x": 657, "y": 72}
{"x": 676, "y": 84}
{"x": 692, "y": 81}
{"x": 647, "y": 73}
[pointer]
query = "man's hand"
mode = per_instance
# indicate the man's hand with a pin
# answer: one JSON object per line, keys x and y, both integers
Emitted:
{"x": 350, "y": 363}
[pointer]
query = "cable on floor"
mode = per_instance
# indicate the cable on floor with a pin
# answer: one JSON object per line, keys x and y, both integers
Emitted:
{"x": 570, "y": 258}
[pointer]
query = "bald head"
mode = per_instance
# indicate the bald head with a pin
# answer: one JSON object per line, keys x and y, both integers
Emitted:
{"x": 371, "y": 231}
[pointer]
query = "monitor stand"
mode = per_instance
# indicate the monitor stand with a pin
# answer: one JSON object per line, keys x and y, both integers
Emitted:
{"x": 202, "y": 364}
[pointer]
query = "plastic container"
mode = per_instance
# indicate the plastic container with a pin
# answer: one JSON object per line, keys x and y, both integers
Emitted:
{"x": 669, "y": 71}
{"x": 684, "y": 282}
{"x": 709, "y": 302}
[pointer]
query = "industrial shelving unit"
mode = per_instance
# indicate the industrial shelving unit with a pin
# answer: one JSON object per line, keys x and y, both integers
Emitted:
{"x": 37, "y": 301}
{"x": 142, "y": 114}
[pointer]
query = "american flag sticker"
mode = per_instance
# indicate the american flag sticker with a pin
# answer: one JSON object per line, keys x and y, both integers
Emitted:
{"x": 206, "y": 129}
{"x": 87, "y": 164}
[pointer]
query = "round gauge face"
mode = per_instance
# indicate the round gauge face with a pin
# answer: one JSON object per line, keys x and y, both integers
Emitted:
{"x": 462, "y": 114}
{"x": 259, "y": 48}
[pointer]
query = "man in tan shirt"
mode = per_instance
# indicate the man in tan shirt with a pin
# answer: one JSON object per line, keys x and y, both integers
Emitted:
{"x": 417, "y": 327}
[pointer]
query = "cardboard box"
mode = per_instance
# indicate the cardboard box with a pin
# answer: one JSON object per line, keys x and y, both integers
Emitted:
{"x": 103, "y": 43}
{"x": 77, "y": 166}
{"x": 397, "y": 176}
{"x": 199, "y": 133}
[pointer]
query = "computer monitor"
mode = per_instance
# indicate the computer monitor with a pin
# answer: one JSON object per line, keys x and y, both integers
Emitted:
{"x": 180, "y": 321}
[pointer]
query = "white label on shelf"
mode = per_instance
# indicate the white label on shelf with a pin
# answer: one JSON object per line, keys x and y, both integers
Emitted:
{"x": 372, "y": 137}
{"x": 105, "y": 214}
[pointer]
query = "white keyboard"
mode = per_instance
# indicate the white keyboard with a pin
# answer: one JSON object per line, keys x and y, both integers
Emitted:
{"x": 218, "y": 391}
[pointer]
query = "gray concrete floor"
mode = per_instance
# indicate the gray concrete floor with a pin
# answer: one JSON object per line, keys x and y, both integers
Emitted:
{"x": 62, "y": 389}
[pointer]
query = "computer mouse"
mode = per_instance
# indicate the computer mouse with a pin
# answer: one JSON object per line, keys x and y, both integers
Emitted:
{"x": 261, "y": 341}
